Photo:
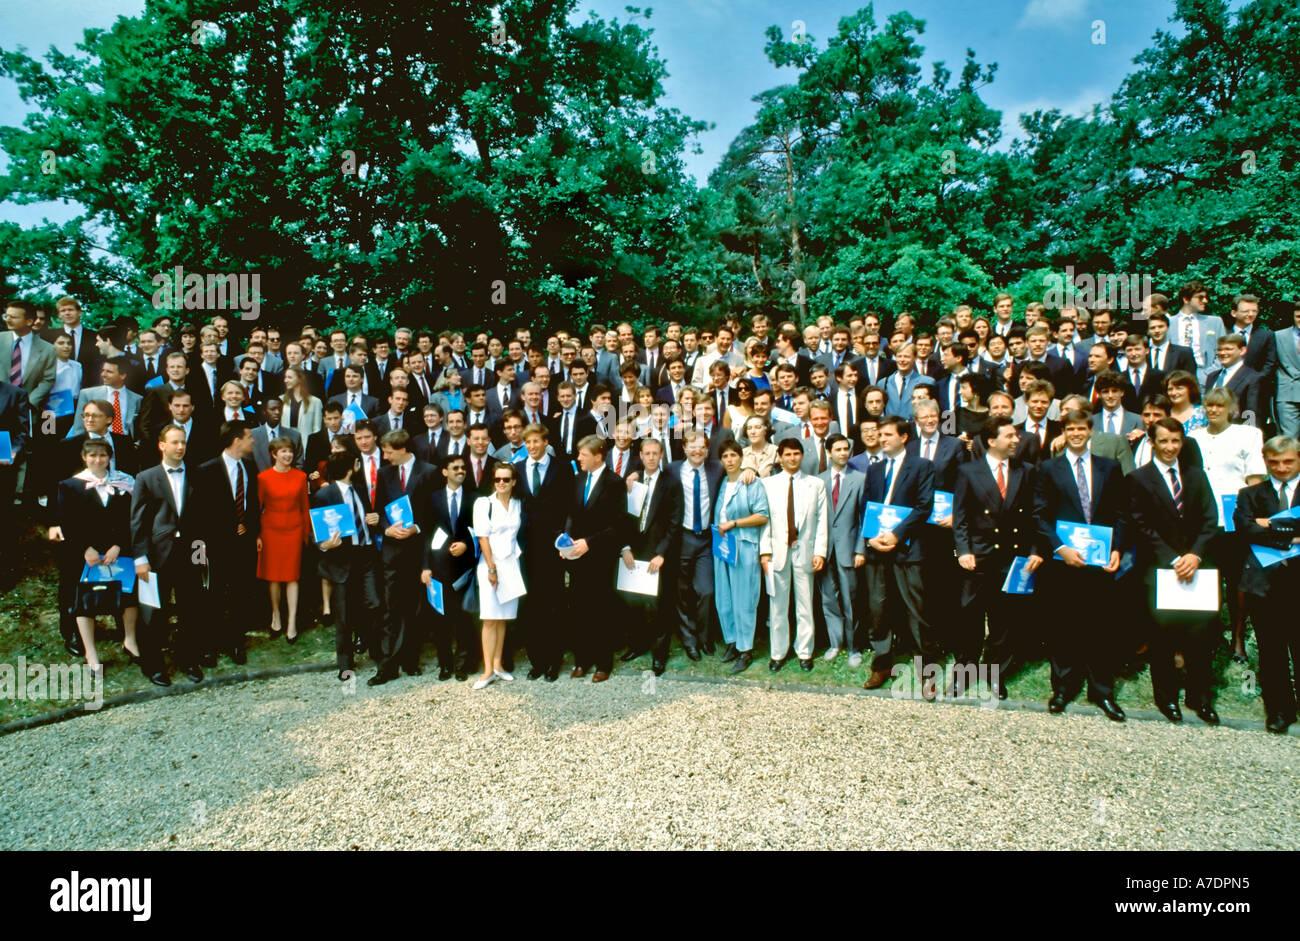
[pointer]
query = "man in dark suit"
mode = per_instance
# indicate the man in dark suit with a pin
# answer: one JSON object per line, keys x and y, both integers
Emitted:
{"x": 398, "y": 415}
{"x": 1037, "y": 432}
{"x": 349, "y": 563}
{"x": 654, "y": 537}
{"x": 546, "y": 492}
{"x": 352, "y": 393}
{"x": 992, "y": 525}
{"x": 205, "y": 381}
{"x": 153, "y": 406}
{"x": 1233, "y": 374}
{"x": 402, "y": 555}
{"x": 700, "y": 480}
{"x": 478, "y": 470}
{"x": 451, "y": 511}
{"x": 1166, "y": 356}
{"x": 1175, "y": 517}
{"x": 84, "y": 349}
{"x": 430, "y": 444}
{"x": 1080, "y": 487}
{"x": 946, "y": 454}
{"x": 1140, "y": 379}
{"x": 1261, "y": 352}
{"x": 318, "y": 444}
{"x": 570, "y": 426}
{"x": 226, "y": 491}
{"x": 597, "y": 524}
{"x": 706, "y": 421}
{"x": 894, "y": 556}
{"x": 15, "y": 419}
{"x": 1154, "y": 408}
{"x": 166, "y": 527}
{"x": 1272, "y": 610}
{"x": 622, "y": 456}
{"x": 674, "y": 381}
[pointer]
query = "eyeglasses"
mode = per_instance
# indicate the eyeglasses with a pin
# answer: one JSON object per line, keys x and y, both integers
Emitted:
{"x": 503, "y": 480}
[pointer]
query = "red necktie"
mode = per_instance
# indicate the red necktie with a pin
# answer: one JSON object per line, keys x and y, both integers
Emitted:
{"x": 835, "y": 494}
{"x": 402, "y": 473}
{"x": 374, "y": 478}
{"x": 619, "y": 469}
{"x": 117, "y": 413}
{"x": 478, "y": 472}
{"x": 1002, "y": 482}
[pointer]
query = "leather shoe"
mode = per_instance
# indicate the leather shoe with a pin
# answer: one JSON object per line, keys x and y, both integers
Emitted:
{"x": 658, "y": 666}
{"x": 461, "y": 675}
{"x": 731, "y": 653}
{"x": 160, "y": 679}
{"x": 239, "y": 655}
{"x": 708, "y": 647}
{"x": 1205, "y": 712}
{"x": 743, "y": 660}
{"x": 1111, "y": 710}
{"x": 631, "y": 655}
{"x": 578, "y": 673}
{"x": 414, "y": 671}
{"x": 552, "y": 674}
{"x": 1056, "y": 705}
{"x": 1170, "y": 711}
{"x": 444, "y": 674}
{"x": 693, "y": 654}
{"x": 1001, "y": 691}
{"x": 194, "y": 674}
{"x": 380, "y": 678}
{"x": 877, "y": 679}
{"x": 74, "y": 646}
{"x": 599, "y": 676}
{"x": 805, "y": 665}
{"x": 535, "y": 673}
{"x": 775, "y": 665}
{"x": 1277, "y": 724}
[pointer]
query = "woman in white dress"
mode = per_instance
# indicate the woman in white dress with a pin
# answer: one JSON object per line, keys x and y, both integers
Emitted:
{"x": 496, "y": 524}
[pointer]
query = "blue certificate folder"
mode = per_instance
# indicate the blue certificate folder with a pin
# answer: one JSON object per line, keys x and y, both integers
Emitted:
{"x": 1228, "y": 502}
{"x": 724, "y": 545}
{"x": 1266, "y": 555}
{"x": 117, "y": 572}
{"x": 328, "y": 521}
{"x": 882, "y": 518}
{"x": 60, "y": 402}
{"x": 1019, "y": 582}
{"x": 6, "y": 447}
{"x": 1093, "y": 542}
{"x": 434, "y": 594}
{"x": 399, "y": 511}
{"x": 942, "y": 506}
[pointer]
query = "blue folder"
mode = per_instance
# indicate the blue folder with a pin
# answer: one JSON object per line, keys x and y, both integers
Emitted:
{"x": 6, "y": 447}
{"x": 1267, "y": 555}
{"x": 1093, "y": 542}
{"x": 60, "y": 403}
{"x": 724, "y": 545}
{"x": 942, "y": 506}
{"x": 155, "y": 382}
{"x": 1018, "y": 581}
{"x": 1228, "y": 502}
{"x": 399, "y": 511}
{"x": 328, "y": 521}
{"x": 882, "y": 517}
{"x": 434, "y": 593}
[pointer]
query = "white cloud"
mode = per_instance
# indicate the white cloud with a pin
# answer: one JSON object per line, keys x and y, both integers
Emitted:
{"x": 1052, "y": 12}
{"x": 1079, "y": 105}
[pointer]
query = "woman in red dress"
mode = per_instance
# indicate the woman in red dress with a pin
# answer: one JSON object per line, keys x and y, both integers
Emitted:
{"x": 286, "y": 526}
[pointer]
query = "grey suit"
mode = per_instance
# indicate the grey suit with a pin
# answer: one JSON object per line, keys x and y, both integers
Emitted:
{"x": 811, "y": 453}
{"x": 1205, "y": 346}
{"x": 837, "y": 583}
{"x": 262, "y": 445}
{"x": 1129, "y": 422}
{"x": 130, "y": 408}
{"x": 39, "y": 368}
{"x": 1287, "y": 401}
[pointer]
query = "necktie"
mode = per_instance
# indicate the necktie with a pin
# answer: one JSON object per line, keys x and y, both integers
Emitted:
{"x": 1155, "y": 358}
{"x": 402, "y": 475}
{"x": 374, "y": 477}
{"x": 1178, "y": 490}
{"x": 354, "y": 399}
{"x": 806, "y": 432}
{"x": 821, "y": 456}
{"x": 1282, "y": 502}
{"x": 16, "y": 363}
{"x": 212, "y": 380}
{"x": 454, "y": 509}
{"x": 1085, "y": 500}
{"x": 1187, "y": 331}
{"x": 1038, "y": 433}
{"x": 619, "y": 469}
{"x": 1137, "y": 382}
{"x": 424, "y": 388}
{"x": 1002, "y": 480}
{"x": 537, "y": 478}
{"x": 791, "y": 532}
{"x": 478, "y": 471}
{"x": 358, "y": 520}
{"x": 889, "y": 478}
{"x": 1110, "y": 422}
{"x": 117, "y": 413}
{"x": 697, "y": 504}
{"x": 504, "y": 396}
{"x": 645, "y": 505}
{"x": 177, "y": 484}
{"x": 149, "y": 365}
{"x": 1218, "y": 380}
{"x": 239, "y": 493}
{"x": 722, "y": 403}
{"x": 848, "y": 408}
{"x": 457, "y": 447}
{"x": 564, "y": 433}
{"x": 929, "y": 449}
{"x": 586, "y": 489}
{"x": 835, "y": 493}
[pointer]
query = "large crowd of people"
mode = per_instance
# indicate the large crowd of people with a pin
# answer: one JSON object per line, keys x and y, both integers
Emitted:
{"x": 998, "y": 485}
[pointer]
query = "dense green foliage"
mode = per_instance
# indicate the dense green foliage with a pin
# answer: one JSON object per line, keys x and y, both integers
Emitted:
{"x": 446, "y": 167}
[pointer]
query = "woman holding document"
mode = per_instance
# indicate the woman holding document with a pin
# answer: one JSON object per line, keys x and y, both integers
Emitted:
{"x": 741, "y": 511}
{"x": 500, "y": 582}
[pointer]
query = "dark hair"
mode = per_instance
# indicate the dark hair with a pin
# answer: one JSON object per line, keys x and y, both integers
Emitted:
{"x": 832, "y": 440}
{"x": 1156, "y": 400}
{"x": 337, "y": 466}
{"x": 787, "y": 443}
{"x": 992, "y": 427}
{"x": 1077, "y": 415}
{"x": 1168, "y": 423}
{"x": 731, "y": 444}
{"x": 231, "y": 431}
{"x": 900, "y": 425}
{"x": 27, "y": 307}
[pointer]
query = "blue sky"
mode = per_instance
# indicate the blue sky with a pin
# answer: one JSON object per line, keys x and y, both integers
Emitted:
{"x": 714, "y": 52}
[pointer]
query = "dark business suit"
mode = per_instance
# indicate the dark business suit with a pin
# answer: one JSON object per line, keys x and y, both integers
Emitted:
{"x": 1163, "y": 533}
{"x": 1084, "y": 640}
{"x": 546, "y": 507}
{"x": 401, "y": 560}
{"x": 232, "y": 558}
{"x": 454, "y": 626}
{"x": 602, "y": 521}
{"x": 900, "y": 567}
{"x": 939, "y": 568}
{"x": 695, "y": 610}
{"x": 174, "y": 545}
{"x": 1261, "y": 351}
{"x": 1172, "y": 358}
{"x": 352, "y": 570}
{"x": 1153, "y": 382}
{"x": 660, "y": 533}
{"x": 1272, "y": 607}
{"x": 14, "y": 419}
{"x": 995, "y": 529}
{"x": 584, "y": 423}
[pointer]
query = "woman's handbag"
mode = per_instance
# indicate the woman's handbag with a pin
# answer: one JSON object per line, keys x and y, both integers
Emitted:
{"x": 98, "y": 599}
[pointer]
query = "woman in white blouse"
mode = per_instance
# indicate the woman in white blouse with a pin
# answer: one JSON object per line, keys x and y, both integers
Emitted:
{"x": 496, "y": 524}
{"x": 1233, "y": 458}
{"x": 67, "y": 386}
{"x": 303, "y": 412}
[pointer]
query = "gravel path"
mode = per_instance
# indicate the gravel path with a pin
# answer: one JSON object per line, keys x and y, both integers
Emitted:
{"x": 297, "y": 763}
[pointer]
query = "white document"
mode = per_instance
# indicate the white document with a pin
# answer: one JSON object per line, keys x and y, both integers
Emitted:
{"x": 638, "y": 580}
{"x": 146, "y": 591}
{"x": 636, "y": 498}
{"x": 510, "y": 580}
{"x": 439, "y": 539}
{"x": 1200, "y": 594}
{"x": 770, "y": 578}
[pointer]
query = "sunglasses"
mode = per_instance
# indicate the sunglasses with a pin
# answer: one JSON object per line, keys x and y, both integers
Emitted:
{"x": 503, "y": 480}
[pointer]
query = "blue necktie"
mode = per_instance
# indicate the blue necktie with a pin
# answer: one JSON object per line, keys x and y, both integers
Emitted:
{"x": 455, "y": 510}
{"x": 889, "y": 476}
{"x": 586, "y": 490}
{"x": 697, "y": 505}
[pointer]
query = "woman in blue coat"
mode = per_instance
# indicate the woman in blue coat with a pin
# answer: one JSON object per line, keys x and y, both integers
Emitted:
{"x": 741, "y": 508}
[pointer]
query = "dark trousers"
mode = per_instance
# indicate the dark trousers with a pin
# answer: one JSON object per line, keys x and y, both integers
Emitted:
{"x": 903, "y": 580}
{"x": 180, "y": 589}
{"x": 356, "y": 602}
{"x": 982, "y": 598}
{"x": 1082, "y": 643}
{"x": 1277, "y": 632}
{"x": 943, "y": 585}
{"x": 695, "y": 588}
{"x": 8, "y": 519}
{"x": 1191, "y": 632}
{"x": 542, "y": 610}
{"x": 455, "y": 633}
{"x": 403, "y": 596}
{"x": 232, "y": 586}
{"x": 591, "y": 582}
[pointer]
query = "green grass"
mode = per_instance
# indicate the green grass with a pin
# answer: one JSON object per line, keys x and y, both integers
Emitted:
{"x": 29, "y": 627}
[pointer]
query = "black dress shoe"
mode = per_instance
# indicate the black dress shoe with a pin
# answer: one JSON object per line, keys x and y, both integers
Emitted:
{"x": 1002, "y": 692}
{"x": 1111, "y": 710}
{"x": 414, "y": 671}
{"x": 774, "y": 665}
{"x": 743, "y": 660}
{"x": 693, "y": 654}
{"x": 327, "y": 618}
{"x": 707, "y": 647}
{"x": 444, "y": 674}
{"x": 239, "y": 655}
{"x": 160, "y": 679}
{"x": 1170, "y": 711}
{"x": 74, "y": 646}
{"x": 1056, "y": 705}
{"x": 632, "y": 654}
{"x": 731, "y": 653}
{"x": 293, "y": 639}
{"x": 1205, "y": 712}
{"x": 552, "y": 674}
{"x": 658, "y": 666}
{"x": 380, "y": 678}
{"x": 534, "y": 674}
{"x": 208, "y": 660}
{"x": 1277, "y": 724}
{"x": 461, "y": 676}
{"x": 194, "y": 674}
{"x": 806, "y": 665}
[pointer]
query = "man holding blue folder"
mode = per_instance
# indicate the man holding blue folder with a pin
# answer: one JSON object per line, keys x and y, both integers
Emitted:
{"x": 1078, "y": 487}
{"x": 348, "y": 562}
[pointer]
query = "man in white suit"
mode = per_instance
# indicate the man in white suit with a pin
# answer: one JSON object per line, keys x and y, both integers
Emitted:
{"x": 792, "y": 548}
{"x": 1287, "y": 402}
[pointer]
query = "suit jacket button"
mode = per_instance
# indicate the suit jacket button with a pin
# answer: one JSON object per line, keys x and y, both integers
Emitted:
{"x": 997, "y": 546}
{"x": 178, "y": 534}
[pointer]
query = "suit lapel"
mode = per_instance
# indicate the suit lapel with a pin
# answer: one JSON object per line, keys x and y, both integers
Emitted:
{"x": 988, "y": 483}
